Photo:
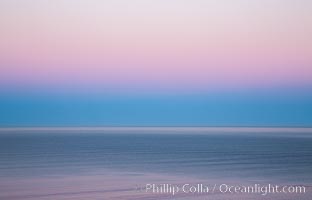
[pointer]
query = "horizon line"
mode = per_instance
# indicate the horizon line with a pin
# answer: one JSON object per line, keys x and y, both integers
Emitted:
{"x": 160, "y": 128}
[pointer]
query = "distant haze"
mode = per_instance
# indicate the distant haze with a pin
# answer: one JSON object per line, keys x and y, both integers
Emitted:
{"x": 155, "y": 63}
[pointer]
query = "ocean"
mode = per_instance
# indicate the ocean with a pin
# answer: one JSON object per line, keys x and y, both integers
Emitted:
{"x": 122, "y": 164}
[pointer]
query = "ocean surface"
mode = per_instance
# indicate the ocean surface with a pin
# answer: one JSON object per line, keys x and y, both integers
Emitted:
{"x": 108, "y": 160}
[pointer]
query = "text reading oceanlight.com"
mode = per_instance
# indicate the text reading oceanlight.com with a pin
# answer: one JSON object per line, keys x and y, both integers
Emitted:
{"x": 200, "y": 188}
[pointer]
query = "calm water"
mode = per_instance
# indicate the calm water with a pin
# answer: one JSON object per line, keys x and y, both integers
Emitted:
{"x": 254, "y": 156}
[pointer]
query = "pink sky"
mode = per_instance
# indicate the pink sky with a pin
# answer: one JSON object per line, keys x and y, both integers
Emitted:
{"x": 156, "y": 44}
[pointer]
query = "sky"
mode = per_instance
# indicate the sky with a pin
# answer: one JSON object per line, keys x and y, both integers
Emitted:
{"x": 155, "y": 63}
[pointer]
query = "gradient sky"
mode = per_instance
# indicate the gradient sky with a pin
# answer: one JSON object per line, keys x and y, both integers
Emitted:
{"x": 161, "y": 62}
